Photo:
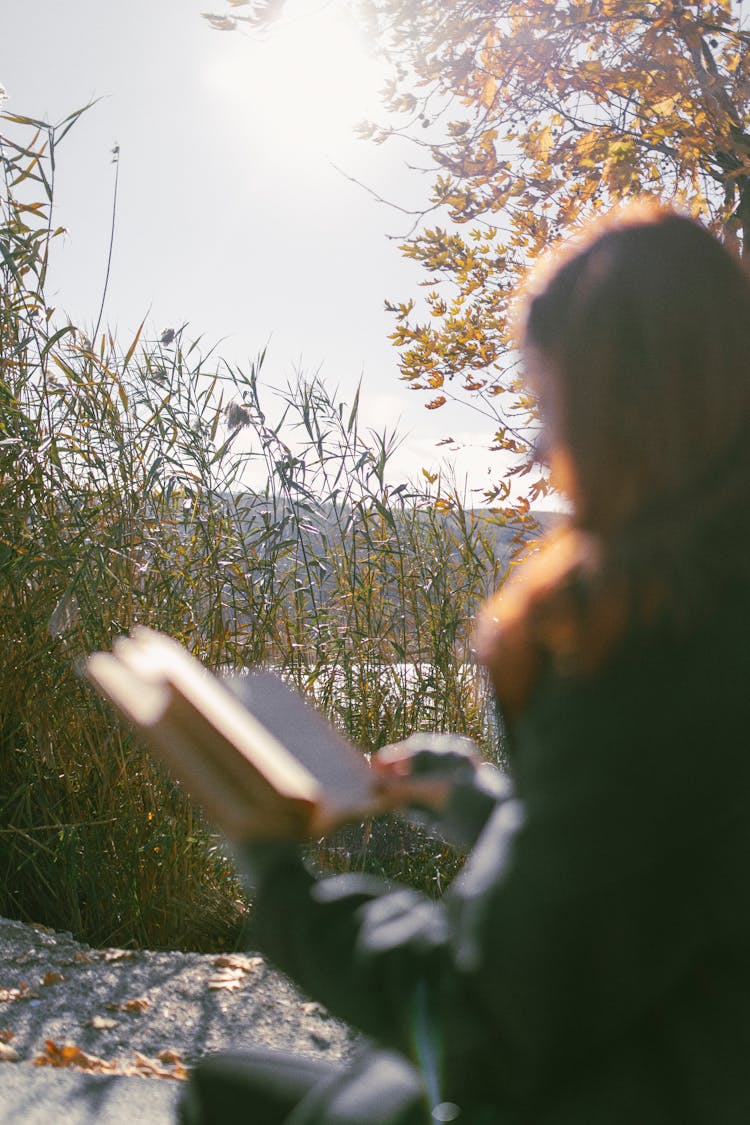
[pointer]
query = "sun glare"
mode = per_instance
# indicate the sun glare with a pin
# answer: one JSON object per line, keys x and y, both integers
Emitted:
{"x": 306, "y": 83}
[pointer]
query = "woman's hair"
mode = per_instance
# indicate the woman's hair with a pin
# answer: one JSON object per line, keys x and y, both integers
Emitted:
{"x": 644, "y": 327}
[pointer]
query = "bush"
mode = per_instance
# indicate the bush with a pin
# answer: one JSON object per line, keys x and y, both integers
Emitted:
{"x": 126, "y": 497}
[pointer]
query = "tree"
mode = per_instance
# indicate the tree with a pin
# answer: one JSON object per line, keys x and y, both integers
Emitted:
{"x": 533, "y": 115}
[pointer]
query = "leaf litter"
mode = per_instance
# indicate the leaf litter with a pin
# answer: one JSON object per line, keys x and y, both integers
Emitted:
{"x": 145, "y": 1013}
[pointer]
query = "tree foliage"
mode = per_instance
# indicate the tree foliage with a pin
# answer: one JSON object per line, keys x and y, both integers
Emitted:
{"x": 532, "y": 116}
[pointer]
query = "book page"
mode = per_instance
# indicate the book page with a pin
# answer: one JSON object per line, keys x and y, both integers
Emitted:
{"x": 345, "y": 778}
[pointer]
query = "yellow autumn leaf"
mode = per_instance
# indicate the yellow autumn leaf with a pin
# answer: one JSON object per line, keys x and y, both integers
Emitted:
{"x": 586, "y": 144}
{"x": 617, "y": 174}
{"x": 664, "y": 106}
{"x": 489, "y": 89}
{"x": 540, "y": 144}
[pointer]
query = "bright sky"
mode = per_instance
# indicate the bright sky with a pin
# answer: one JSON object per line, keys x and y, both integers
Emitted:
{"x": 231, "y": 215}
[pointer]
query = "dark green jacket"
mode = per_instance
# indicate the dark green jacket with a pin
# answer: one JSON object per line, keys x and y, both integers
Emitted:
{"x": 591, "y": 965}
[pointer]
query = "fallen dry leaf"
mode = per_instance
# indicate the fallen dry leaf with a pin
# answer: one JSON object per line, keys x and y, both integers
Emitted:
{"x": 100, "y": 1023}
{"x": 151, "y": 1068}
{"x": 229, "y": 978}
{"x": 8, "y": 1053}
{"x": 226, "y": 984}
{"x": 244, "y": 964}
{"x": 52, "y": 978}
{"x": 6, "y": 1035}
{"x": 67, "y": 1054}
{"x": 23, "y": 992}
{"x": 81, "y": 957}
{"x": 168, "y": 1056}
{"x": 136, "y": 1005}
{"x": 227, "y": 963}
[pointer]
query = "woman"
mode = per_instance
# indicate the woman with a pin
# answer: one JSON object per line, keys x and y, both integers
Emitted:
{"x": 592, "y": 962}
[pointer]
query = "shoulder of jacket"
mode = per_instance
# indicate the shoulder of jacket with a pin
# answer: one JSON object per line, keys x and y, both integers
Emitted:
{"x": 549, "y": 608}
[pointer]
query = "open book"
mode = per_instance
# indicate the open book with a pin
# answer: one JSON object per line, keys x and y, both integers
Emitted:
{"x": 249, "y": 742}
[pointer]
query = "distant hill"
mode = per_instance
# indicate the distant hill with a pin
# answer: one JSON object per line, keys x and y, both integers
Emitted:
{"x": 318, "y": 526}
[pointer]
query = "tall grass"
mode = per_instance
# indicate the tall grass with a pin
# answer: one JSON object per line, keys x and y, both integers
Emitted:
{"x": 124, "y": 498}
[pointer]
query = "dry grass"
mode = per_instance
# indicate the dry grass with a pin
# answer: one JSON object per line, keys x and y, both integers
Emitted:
{"x": 122, "y": 501}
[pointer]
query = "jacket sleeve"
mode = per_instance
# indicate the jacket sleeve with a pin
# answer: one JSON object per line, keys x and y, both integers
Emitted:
{"x": 477, "y": 787}
{"x": 585, "y": 901}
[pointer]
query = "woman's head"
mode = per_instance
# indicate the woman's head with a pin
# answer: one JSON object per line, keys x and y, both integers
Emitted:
{"x": 637, "y": 341}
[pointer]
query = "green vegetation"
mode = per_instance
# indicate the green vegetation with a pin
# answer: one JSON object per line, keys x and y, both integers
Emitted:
{"x": 125, "y": 497}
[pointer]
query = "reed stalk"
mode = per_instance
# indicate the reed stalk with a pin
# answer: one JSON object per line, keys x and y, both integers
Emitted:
{"x": 146, "y": 483}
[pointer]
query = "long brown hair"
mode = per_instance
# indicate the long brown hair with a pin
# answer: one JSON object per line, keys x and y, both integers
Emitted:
{"x": 646, "y": 327}
{"x": 643, "y": 327}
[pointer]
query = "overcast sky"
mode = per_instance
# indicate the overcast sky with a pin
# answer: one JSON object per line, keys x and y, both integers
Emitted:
{"x": 231, "y": 215}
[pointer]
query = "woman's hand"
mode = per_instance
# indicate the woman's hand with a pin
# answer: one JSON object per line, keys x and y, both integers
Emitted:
{"x": 421, "y": 772}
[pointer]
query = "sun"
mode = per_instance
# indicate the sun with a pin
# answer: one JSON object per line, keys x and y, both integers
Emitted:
{"x": 305, "y": 83}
